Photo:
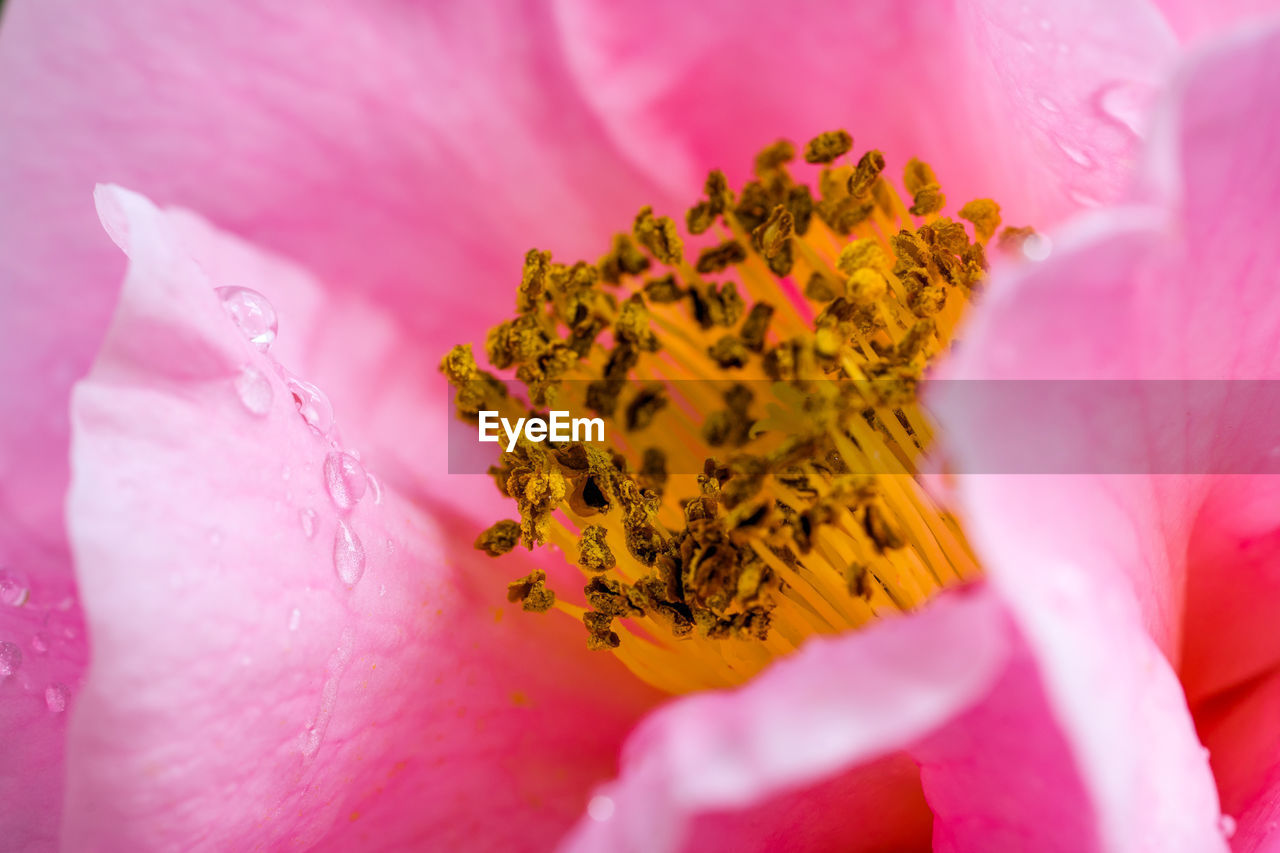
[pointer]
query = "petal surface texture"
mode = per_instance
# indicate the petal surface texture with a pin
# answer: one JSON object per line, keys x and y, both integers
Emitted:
{"x": 267, "y": 667}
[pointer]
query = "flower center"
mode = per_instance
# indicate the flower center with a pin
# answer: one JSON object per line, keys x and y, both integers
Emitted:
{"x": 759, "y": 480}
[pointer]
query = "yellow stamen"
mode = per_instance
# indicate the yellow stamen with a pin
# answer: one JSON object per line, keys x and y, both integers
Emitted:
{"x": 807, "y": 516}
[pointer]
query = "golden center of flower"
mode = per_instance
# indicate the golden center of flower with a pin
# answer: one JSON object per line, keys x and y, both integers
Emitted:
{"x": 759, "y": 483}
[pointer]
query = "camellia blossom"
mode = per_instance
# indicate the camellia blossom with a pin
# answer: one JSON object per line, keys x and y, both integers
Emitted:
{"x": 291, "y": 638}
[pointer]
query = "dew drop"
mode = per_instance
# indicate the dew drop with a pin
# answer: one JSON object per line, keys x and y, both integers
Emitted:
{"x": 307, "y": 518}
{"x": 1124, "y": 103}
{"x": 336, "y": 666}
{"x": 1227, "y": 825}
{"x": 39, "y": 642}
{"x": 15, "y": 589}
{"x": 1037, "y": 247}
{"x": 1080, "y": 158}
{"x": 56, "y": 697}
{"x": 375, "y": 488}
{"x": 600, "y": 808}
{"x": 312, "y": 404}
{"x": 254, "y": 391}
{"x": 295, "y": 619}
{"x": 10, "y": 658}
{"x": 252, "y": 313}
{"x": 345, "y": 478}
{"x": 1083, "y": 198}
{"x": 1048, "y": 104}
{"x": 348, "y": 554}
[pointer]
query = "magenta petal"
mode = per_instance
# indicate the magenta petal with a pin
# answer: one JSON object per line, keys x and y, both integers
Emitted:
{"x": 267, "y": 669}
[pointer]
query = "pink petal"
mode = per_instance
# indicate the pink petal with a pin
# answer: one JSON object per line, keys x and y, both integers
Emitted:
{"x": 383, "y": 381}
{"x": 1214, "y": 161}
{"x": 875, "y": 806}
{"x": 1089, "y": 565}
{"x": 1241, "y": 729}
{"x": 1179, "y": 291}
{"x": 242, "y": 693}
{"x": 1081, "y": 301}
{"x": 796, "y": 724}
{"x": 1195, "y": 19}
{"x": 406, "y": 152}
{"x": 1070, "y": 589}
{"x": 1233, "y": 588}
{"x": 1031, "y": 103}
{"x": 1005, "y": 762}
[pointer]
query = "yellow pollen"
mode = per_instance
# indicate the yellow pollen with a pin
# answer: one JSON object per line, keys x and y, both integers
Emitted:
{"x": 758, "y": 377}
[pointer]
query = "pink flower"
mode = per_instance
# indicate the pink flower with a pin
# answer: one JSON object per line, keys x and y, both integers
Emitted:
{"x": 268, "y": 670}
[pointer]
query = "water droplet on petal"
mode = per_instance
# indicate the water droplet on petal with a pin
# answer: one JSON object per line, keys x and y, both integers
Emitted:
{"x": 1079, "y": 157}
{"x": 1124, "y": 103}
{"x": 39, "y": 642}
{"x": 254, "y": 391}
{"x": 10, "y": 658}
{"x": 312, "y": 404}
{"x": 252, "y": 313}
{"x": 15, "y": 589}
{"x": 307, "y": 518}
{"x": 336, "y": 666}
{"x": 345, "y": 478}
{"x": 1049, "y": 105}
{"x": 1227, "y": 824}
{"x": 56, "y": 697}
{"x": 375, "y": 488}
{"x": 295, "y": 619}
{"x": 600, "y": 808}
{"x": 1037, "y": 247}
{"x": 348, "y": 554}
{"x": 1083, "y": 198}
